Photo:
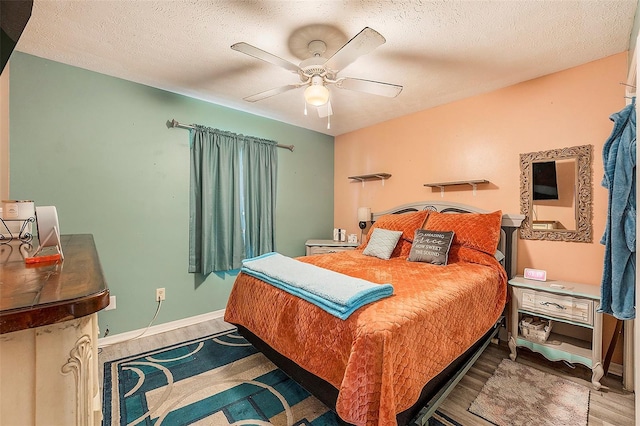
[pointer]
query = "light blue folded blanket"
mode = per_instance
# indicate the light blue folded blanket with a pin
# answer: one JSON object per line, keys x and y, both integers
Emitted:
{"x": 336, "y": 293}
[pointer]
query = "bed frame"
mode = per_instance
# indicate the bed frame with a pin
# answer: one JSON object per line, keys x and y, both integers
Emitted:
{"x": 437, "y": 389}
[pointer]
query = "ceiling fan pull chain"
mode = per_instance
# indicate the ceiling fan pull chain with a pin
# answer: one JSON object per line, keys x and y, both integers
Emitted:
{"x": 328, "y": 121}
{"x": 305, "y": 107}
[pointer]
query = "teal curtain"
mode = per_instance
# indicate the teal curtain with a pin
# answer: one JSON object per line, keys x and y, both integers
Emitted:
{"x": 260, "y": 169}
{"x": 232, "y": 199}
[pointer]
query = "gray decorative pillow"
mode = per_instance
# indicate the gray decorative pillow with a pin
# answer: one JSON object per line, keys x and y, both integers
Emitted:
{"x": 382, "y": 243}
{"x": 431, "y": 246}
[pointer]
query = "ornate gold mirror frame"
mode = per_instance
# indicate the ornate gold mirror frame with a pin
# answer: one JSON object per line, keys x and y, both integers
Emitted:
{"x": 583, "y": 231}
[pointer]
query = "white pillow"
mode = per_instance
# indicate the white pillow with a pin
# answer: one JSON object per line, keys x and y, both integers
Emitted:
{"x": 382, "y": 243}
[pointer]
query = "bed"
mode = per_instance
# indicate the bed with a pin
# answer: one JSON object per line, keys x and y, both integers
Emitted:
{"x": 391, "y": 361}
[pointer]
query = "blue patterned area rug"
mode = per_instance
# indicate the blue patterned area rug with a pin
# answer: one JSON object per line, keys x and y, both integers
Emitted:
{"x": 214, "y": 380}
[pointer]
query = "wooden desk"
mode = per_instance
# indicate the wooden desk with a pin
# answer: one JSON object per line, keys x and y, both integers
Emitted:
{"x": 48, "y": 336}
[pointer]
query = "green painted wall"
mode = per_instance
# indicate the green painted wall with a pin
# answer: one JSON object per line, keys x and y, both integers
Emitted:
{"x": 98, "y": 148}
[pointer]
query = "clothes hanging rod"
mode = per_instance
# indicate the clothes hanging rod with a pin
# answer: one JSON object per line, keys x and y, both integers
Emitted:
{"x": 174, "y": 123}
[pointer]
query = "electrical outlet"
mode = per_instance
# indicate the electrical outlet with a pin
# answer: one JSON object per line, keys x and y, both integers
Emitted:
{"x": 112, "y": 303}
{"x": 160, "y": 294}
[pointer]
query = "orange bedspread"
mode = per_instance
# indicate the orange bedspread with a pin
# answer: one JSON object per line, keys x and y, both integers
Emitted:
{"x": 385, "y": 352}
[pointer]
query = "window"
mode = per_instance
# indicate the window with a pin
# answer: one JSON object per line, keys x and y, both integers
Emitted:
{"x": 232, "y": 199}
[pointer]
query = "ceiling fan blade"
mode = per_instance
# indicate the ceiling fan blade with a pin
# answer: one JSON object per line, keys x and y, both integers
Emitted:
{"x": 325, "y": 110}
{"x": 265, "y": 56}
{"x": 364, "y": 42}
{"x": 272, "y": 92}
{"x": 367, "y": 86}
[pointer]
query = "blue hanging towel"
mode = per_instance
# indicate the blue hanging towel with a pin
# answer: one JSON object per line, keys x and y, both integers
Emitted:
{"x": 618, "y": 278}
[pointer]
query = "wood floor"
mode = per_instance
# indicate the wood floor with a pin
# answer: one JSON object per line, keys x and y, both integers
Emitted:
{"x": 609, "y": 406}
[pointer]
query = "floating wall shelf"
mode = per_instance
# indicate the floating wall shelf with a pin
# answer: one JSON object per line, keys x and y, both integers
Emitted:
{"x": 442, "y": 185}
{"x": 373, "y": 176}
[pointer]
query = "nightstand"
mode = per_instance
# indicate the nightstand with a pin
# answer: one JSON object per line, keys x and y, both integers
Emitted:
{"x": 327, "y": 246}
{"x": 576, "y": 333}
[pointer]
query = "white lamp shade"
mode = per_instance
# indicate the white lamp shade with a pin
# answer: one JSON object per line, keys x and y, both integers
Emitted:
{"x": 316, "y": 94}
{"x": 364, "y": 214}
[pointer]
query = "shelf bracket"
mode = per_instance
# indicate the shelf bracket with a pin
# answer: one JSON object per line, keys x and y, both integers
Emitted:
{"x": 475, "y": 187}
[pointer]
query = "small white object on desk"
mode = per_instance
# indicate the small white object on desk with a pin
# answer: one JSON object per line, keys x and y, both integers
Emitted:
{"x": 17, "y": 209}
{"x": 48, "y": 229}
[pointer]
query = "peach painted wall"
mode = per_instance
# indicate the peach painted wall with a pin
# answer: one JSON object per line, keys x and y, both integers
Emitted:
{"x": 481, "y": 138}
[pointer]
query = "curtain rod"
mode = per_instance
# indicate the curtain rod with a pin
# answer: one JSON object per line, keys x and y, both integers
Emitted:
{"x": 174, "y": 123}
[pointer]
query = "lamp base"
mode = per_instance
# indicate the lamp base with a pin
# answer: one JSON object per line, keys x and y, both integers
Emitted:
{"x": 362, "y": 225}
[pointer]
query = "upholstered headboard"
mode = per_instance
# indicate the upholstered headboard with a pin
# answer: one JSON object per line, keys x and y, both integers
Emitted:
{"x": 508, "y": 235}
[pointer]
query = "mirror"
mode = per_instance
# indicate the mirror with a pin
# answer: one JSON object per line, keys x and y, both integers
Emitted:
{"x": 555, "y": 194}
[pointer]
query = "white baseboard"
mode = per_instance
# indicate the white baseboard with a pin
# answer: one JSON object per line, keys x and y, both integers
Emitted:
{"x": 160, "y": 328}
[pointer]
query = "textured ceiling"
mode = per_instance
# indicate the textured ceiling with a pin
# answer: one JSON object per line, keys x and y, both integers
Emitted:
{"x": 440, "y": 51}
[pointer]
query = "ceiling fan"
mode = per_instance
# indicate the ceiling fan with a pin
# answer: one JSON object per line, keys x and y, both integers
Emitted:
{"x": 318, "y": 72}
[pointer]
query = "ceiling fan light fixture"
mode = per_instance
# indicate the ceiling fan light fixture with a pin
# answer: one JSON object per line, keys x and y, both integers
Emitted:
{"x": 316, "y": 94}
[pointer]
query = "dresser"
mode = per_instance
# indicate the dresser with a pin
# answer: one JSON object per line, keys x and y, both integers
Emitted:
{"x": 49, "y": 336}
{"x": 576, "y": 326}
{"x": 327, "y": 246}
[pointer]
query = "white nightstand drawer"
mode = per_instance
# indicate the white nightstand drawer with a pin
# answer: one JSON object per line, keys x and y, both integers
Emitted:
{"x": 325, "y": 249}
{"x": 327, "y": 246}
{"x": 567, "y": 307}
